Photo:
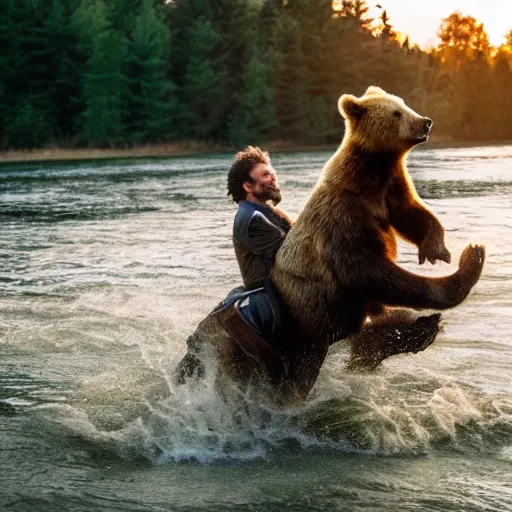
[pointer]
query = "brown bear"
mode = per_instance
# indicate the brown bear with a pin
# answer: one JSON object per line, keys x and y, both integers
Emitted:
{"x": 336, "y": 270}
{"x": 335, "y": 275}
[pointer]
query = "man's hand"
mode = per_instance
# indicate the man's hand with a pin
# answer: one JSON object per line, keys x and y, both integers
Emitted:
{"x": 282, "y": 214}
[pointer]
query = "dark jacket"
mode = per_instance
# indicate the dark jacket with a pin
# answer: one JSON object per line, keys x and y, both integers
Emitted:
{"x": 258, "y": 232}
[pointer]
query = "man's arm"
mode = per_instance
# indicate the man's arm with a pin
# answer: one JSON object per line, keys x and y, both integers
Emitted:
{"x": 265, "y": 238}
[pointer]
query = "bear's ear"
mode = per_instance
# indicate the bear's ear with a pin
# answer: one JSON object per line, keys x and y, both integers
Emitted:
{"x": 350, "y": 107}
{"x": 374, "y": 90}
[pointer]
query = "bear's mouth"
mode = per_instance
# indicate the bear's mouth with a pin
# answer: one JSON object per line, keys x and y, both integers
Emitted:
{"x": 424, "y": 129}
{"x": 422, "y": 126}
{"x": 420, "y": 138}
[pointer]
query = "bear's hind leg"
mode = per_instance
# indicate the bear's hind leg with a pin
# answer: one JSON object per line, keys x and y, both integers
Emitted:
{"x": 397, "y": 331}
{"x": 192, "y": 365}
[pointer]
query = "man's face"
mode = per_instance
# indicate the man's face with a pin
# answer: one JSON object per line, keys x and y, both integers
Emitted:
{"x": 264, "y": 185}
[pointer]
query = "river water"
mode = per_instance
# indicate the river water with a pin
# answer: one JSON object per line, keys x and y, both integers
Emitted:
{"x": 106, "y": 267}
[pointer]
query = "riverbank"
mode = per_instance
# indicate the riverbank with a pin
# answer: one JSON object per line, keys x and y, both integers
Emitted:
{"x": 191, "y": 148}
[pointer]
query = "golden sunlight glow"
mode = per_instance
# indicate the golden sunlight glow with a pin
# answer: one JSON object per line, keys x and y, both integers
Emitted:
{"x": 337, "y": 5}
{"x": 420, "y": 21}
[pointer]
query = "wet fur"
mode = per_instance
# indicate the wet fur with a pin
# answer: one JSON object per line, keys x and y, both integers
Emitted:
{"x": 337, "y": 266}
{"x": 336, "y": 271}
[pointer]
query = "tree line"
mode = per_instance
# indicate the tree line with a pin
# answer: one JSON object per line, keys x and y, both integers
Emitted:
{"x": 96, "y": 73}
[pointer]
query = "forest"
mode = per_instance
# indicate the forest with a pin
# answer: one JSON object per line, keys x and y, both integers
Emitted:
{"x": 119, "y": 73}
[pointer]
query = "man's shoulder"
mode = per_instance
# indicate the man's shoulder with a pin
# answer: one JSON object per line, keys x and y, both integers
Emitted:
{"x": 249, "y": 214}
{"x": 247, "y": 211}
{"x": 250, "y": 207}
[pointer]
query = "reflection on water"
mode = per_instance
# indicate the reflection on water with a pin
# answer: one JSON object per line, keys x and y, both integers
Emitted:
{"x": 22, "y": 390}
{"x": 105, "y": 268}
{"x": 461, "y": 188}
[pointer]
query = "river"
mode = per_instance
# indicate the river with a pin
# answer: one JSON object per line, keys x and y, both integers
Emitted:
{"x": 107, "y": 266}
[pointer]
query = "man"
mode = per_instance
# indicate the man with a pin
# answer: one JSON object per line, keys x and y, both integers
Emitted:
{"x": 259, "y": 229}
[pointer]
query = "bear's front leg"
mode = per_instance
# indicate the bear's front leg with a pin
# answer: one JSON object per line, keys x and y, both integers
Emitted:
{"x": 414, "y": 221}
{"x": 396, "y": 331}
{"x": 420, "y": 227}
{"x": 432, "y": 246}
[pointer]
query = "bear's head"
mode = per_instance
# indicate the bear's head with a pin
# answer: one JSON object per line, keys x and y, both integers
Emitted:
{"x": 378, "y": 121}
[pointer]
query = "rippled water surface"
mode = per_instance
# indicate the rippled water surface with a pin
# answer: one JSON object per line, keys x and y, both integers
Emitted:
{"x": 106, "y": 267}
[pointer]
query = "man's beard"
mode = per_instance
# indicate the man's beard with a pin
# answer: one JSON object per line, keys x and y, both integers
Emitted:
{"x": 269, "y": 194}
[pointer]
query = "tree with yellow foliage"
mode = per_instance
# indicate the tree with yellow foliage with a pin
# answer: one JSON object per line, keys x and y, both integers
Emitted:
{"x": 508, "y": 39}
{"x": 462, "y": 38}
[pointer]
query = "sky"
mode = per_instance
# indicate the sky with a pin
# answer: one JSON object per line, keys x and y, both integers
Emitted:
{"x": 421, "y": 18}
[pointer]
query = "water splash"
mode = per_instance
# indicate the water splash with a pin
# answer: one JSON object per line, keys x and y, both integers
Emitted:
{"x": 397, "y": 414}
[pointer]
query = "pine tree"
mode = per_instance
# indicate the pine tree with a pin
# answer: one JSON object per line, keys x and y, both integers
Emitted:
{"x": 356, "y": 10}
{"x": 150, "y": 101}
{"x": 122, "y": 13}
{"x": 291, "y": 93}
{"x": 10, "y": 24}
{"x": 29, "y": 120}
{"x": 63, "y": 68}
{"x": 104, "y": 80}
{"x": 477, "y": 95}
{"x": 254, "y": 115}
{"x": 346, "y": 56}
{"x": 503, "y": 85}
{"x": 199, "y": 94}
{"x": 386, "y": 31}
{"x": 320, "y": 130}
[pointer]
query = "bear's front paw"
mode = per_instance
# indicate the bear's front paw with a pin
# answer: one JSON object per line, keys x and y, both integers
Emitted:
{"x": 432, "y": 252}
{"x": 471, "y": 262}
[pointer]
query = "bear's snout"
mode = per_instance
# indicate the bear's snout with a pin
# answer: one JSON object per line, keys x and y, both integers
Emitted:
{"x": 427, "y": 124}
{"x": 420, "y": 129}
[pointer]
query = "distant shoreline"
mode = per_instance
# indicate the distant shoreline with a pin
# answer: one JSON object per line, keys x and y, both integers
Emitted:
{"x": 186, "y": 149}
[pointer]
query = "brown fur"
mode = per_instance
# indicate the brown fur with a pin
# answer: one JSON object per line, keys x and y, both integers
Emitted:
{"x": 336, "y": 273}
{"x": 337, "y": 264}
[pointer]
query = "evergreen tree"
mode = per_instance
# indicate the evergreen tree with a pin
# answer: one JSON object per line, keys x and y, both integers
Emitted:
{"x": 83, "y": 24}
{"x": 476, "y": 100}
{"x": 503, "y": 85}
{"x": 442, "y": 101}
{"x": 150, "y": 102}
{"x": 356, "y": 10}
{"x": 311, "y": 17}
{"x": 11, "y": 21}
{"x": 104, "y": 80}
{"x": 291, "y": 93}
{"x": 254, "y": 115}
{"x": 29, "y": 120}
{"x": 386, "y": 31}
{"x": 320, "y": 129}
{"x": 219, "y": 60}
{"x": 346, "y": 55}
{"x": 199, "y": 94}
{"x": 122, "y": 13}
{"x": 63, "y": 68}
{"x": 102, "y": 72}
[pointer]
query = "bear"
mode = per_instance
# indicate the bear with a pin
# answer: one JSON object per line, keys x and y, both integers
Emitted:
{"x": 335, "y": 276}
{"x": 336, "y": 270}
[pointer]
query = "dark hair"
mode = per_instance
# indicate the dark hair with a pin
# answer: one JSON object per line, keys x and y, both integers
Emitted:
{"x": 239, "y": 172}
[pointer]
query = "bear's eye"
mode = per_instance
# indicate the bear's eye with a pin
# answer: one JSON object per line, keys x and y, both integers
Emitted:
{"x": 397, "y": 114}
